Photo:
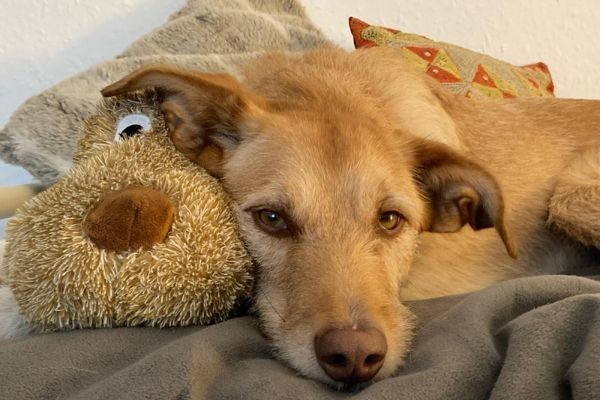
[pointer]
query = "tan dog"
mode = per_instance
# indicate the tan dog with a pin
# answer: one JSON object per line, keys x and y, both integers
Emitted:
{"x": 342, "y": 165}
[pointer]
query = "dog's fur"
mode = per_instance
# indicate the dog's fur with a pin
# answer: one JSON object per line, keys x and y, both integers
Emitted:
{"x": 330, "y": 140}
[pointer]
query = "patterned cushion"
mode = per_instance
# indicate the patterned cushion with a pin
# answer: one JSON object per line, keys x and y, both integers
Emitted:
{"x": 458, "y": 69}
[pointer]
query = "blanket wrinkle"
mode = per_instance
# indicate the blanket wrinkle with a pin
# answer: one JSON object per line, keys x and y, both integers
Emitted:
{"x": 548, "y": 351}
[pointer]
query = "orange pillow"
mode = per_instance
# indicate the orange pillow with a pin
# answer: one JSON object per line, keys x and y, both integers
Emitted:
{"x": 460, "y": 70}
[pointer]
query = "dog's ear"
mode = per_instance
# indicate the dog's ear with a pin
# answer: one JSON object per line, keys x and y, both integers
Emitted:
{"x": 203, "y": 111}
{"x": 459, "y": 192}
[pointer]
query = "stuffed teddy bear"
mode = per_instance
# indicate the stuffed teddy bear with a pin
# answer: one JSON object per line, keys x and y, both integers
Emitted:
{"x": 133, "y": 234}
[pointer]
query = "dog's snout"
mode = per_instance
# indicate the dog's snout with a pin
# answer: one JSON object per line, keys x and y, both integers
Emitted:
{"x": 351, "y": 355}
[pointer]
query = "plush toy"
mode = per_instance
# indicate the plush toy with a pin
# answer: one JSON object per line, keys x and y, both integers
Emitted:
{"x": 134, "y": 234}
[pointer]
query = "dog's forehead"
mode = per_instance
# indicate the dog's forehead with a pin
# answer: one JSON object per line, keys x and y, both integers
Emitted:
{"x": 320, "y": 145}
{"x": 305, "y": 161}
{"x": 328, "y": 135}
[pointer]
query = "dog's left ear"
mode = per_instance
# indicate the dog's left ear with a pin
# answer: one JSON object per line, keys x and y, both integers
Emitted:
{"x": 459, "y": 192}
{"x": 203, "y": 111}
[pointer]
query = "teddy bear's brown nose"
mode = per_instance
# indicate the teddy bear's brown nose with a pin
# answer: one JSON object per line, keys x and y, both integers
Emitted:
{"x": 129, "y": 219}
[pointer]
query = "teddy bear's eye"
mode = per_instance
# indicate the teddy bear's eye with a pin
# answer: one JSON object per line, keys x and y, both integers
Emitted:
{"x": 131, "y": 125}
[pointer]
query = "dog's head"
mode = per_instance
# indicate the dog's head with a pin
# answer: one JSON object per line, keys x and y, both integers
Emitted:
{"x": 331, "y": 198}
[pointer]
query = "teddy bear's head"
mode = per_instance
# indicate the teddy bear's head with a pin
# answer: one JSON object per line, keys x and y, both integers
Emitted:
{"x": 134, "y": 234}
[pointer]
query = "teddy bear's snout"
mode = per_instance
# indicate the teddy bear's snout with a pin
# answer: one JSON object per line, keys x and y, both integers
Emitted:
{"x": 129, "y": 219}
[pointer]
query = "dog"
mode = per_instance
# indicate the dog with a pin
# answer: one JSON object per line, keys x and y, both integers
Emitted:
{"x": 359, "y": 182}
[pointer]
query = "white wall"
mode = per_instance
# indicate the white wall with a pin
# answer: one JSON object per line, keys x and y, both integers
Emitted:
{"x": 45, "y": 41}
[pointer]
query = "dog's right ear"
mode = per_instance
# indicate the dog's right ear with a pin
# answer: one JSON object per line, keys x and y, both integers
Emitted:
{"x": 458, "y": 192}
{"x": 203, "y": 111}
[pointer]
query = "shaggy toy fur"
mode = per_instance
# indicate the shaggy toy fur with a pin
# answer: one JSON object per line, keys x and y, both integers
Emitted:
{"x": 195, "y": 271}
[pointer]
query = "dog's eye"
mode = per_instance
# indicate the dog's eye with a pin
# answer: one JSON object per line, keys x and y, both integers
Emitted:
{"x": 390, "y": 220}
{"x": 271, "y": 221}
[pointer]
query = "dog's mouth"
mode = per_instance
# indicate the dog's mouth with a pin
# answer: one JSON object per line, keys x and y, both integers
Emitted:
{"x": 349, "y": 387}
{"x": 347, "y": 357}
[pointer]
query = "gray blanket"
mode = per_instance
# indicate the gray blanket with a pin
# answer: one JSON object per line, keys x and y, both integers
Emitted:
{"x": 531, "y": 338}
{"x": 534, "y": 338}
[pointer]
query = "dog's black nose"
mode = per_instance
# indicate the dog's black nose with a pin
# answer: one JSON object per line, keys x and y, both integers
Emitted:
{"x": 350, "y": 355}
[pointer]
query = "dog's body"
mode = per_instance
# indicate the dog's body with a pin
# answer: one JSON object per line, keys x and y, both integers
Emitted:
{"x": 345, "y": 168}
{"x": 528, "y": 145}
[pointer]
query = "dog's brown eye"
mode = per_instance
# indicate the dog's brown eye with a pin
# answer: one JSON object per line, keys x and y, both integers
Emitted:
{"x": 272, "y": 220}
{"x": 390, "y": 220}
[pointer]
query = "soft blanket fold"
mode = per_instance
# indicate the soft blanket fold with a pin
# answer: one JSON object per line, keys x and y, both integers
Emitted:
{"x": 530, "y": 338}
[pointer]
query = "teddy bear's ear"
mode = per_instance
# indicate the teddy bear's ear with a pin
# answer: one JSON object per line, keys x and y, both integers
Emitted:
{"x": 203, "y": 111}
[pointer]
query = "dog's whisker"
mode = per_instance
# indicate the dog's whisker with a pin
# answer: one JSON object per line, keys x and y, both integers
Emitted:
{"x": 264, "y": 294}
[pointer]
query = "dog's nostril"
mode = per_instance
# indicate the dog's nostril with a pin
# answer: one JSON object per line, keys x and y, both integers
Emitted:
{"x": 351, "y": 356}
{"x": 337, "y": 359}
{"x": 374, "y": 359}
